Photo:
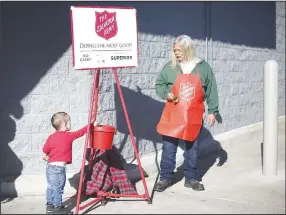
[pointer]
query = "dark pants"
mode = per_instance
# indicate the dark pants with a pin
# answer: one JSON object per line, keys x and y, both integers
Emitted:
{"x": 56, "y": 179}
{"x": 168, "y": 161}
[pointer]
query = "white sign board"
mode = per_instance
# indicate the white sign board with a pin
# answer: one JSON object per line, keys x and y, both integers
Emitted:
{"x": 104, "y": 37}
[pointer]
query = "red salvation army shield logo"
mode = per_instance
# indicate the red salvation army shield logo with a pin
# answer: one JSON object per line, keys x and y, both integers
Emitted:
{"x": 187, "y": 91}
{"x": 105, "y": 24}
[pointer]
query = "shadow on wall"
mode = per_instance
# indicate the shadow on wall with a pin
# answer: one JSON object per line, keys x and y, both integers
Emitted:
{"x": 221, "y": 21}
{"x": 227, "y": 24}
{"x": 34, "y": 39}
{"x": 144, "y": 114}
{"x": 152, "y": 16}
{"x": 35, "y": 36}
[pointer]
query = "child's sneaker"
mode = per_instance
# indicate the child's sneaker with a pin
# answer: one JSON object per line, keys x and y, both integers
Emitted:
{"x": 60, "y": 210}
{"x": 49, "y": 208}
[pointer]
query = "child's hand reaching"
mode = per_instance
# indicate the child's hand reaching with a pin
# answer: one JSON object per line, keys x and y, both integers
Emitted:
{"x": 46, "y": 158}
{"x": 95, "y": 123}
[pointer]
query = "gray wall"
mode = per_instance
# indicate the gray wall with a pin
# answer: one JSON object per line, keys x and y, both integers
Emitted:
{"x": 39, "y": 80}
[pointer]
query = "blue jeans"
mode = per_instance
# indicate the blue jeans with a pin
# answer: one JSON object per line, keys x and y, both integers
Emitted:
{"x": 168, "y": 160}
{"x": 56, "y": 180}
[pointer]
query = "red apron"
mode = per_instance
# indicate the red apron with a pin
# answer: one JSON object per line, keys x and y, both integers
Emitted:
{"x": 183, "y": 120}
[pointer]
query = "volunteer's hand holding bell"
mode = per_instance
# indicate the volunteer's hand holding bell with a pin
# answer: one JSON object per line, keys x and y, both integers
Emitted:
{"x": 172, "y": 98}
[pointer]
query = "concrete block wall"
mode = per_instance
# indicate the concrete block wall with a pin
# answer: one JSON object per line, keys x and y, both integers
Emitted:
{"x": 239, "y": 73}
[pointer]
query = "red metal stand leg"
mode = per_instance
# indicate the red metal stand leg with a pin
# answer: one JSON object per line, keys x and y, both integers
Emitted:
{"x": 92, "y": 110}
{"x": 94, "y": 99}
{"x": 92, "y": 117}
{"x": 147, "y": 196}
{"x": 95, "y": 96}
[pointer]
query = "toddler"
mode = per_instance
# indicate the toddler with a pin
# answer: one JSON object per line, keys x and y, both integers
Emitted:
{"x": 58, "y": 153}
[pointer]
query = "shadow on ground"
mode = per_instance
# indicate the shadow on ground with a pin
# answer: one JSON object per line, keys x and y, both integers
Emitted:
{"x": 6, "y": 199}
{"x": 210, "y": 152}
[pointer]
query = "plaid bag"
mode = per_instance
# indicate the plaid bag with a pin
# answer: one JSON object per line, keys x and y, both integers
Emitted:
{"x": 106, "y": 176}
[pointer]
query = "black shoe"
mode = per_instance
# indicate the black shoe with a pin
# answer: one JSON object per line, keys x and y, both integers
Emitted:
{"x": 195, "y": 185}
{"x": 49, "y": 208}
{"x": 162, "y": 185}
{"x": 60, "y": 210}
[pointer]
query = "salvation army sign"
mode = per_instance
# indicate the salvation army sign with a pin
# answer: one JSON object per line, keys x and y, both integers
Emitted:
{"x": 104, "y": 37}
{"x": 106, "y": 24}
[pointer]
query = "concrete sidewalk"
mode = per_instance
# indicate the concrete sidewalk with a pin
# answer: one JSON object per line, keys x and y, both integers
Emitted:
{"x": 236, "y": 187}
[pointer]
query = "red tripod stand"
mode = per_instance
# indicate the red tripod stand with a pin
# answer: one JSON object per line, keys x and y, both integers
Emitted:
{"x": 101, "y": 196}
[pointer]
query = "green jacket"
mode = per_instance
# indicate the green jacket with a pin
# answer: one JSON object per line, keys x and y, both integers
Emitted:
{"x": 168, "y": 75}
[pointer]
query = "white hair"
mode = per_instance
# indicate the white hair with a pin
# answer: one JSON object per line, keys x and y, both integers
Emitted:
{"x": 186, "y": 44}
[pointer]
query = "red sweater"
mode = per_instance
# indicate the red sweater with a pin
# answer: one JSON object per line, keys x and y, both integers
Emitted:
{"x": 59, "y": 145}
